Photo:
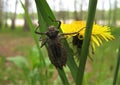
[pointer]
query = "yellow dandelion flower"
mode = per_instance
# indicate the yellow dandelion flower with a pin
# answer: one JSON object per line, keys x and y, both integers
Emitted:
{"x": 99, "y": 33}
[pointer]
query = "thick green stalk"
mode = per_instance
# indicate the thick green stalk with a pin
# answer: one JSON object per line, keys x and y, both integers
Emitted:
{"x": 117, "y": 68}
{"x": 86, "y": 42}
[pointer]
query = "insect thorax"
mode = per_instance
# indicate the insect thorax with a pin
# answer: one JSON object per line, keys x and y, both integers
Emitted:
{"x": 52, "y": 32}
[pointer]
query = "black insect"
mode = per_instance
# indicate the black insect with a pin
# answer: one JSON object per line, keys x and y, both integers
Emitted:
{"x": 56, "y": 51}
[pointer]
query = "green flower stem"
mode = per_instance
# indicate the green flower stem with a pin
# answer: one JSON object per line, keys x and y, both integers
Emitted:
{"x": 86, "y": 42}
{"x": 117, "y": 68}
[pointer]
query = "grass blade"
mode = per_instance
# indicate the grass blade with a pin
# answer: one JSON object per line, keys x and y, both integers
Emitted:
{"x": 44, "y": 12}
{"x": 86, "y": 41}
{"x": 32, "y": 30}
{"x": 117, "y": 68}
{"x": 63, "y": 77}
{"x": 35, "y": 39}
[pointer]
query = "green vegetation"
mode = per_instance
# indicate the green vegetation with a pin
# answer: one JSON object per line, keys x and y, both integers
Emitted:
{"x": 23, "y": 62}
{"x": 21, "y": 68}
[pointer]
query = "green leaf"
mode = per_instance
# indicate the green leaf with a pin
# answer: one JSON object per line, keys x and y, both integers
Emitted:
{"x": 33, "y": 33}
{"x": 62, "y": 76}
{"x": 44, "y": 12}
{"x": 41, "y": 59}
{"x": 19, "y": 61}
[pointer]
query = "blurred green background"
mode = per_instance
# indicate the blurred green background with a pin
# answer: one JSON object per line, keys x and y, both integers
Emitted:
{"x": 19, "y": 57}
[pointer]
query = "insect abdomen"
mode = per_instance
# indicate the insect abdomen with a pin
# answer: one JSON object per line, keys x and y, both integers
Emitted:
{"x": 57, "y": 53}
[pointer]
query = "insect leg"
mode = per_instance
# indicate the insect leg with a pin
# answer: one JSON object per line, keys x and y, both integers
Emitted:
{"x": 62, "y": 37}
{"x": 44, "y": 42}
{"x": 71, "y": 33}
{"x": 41, "y": 33}
{"x": 59, "y": 22}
